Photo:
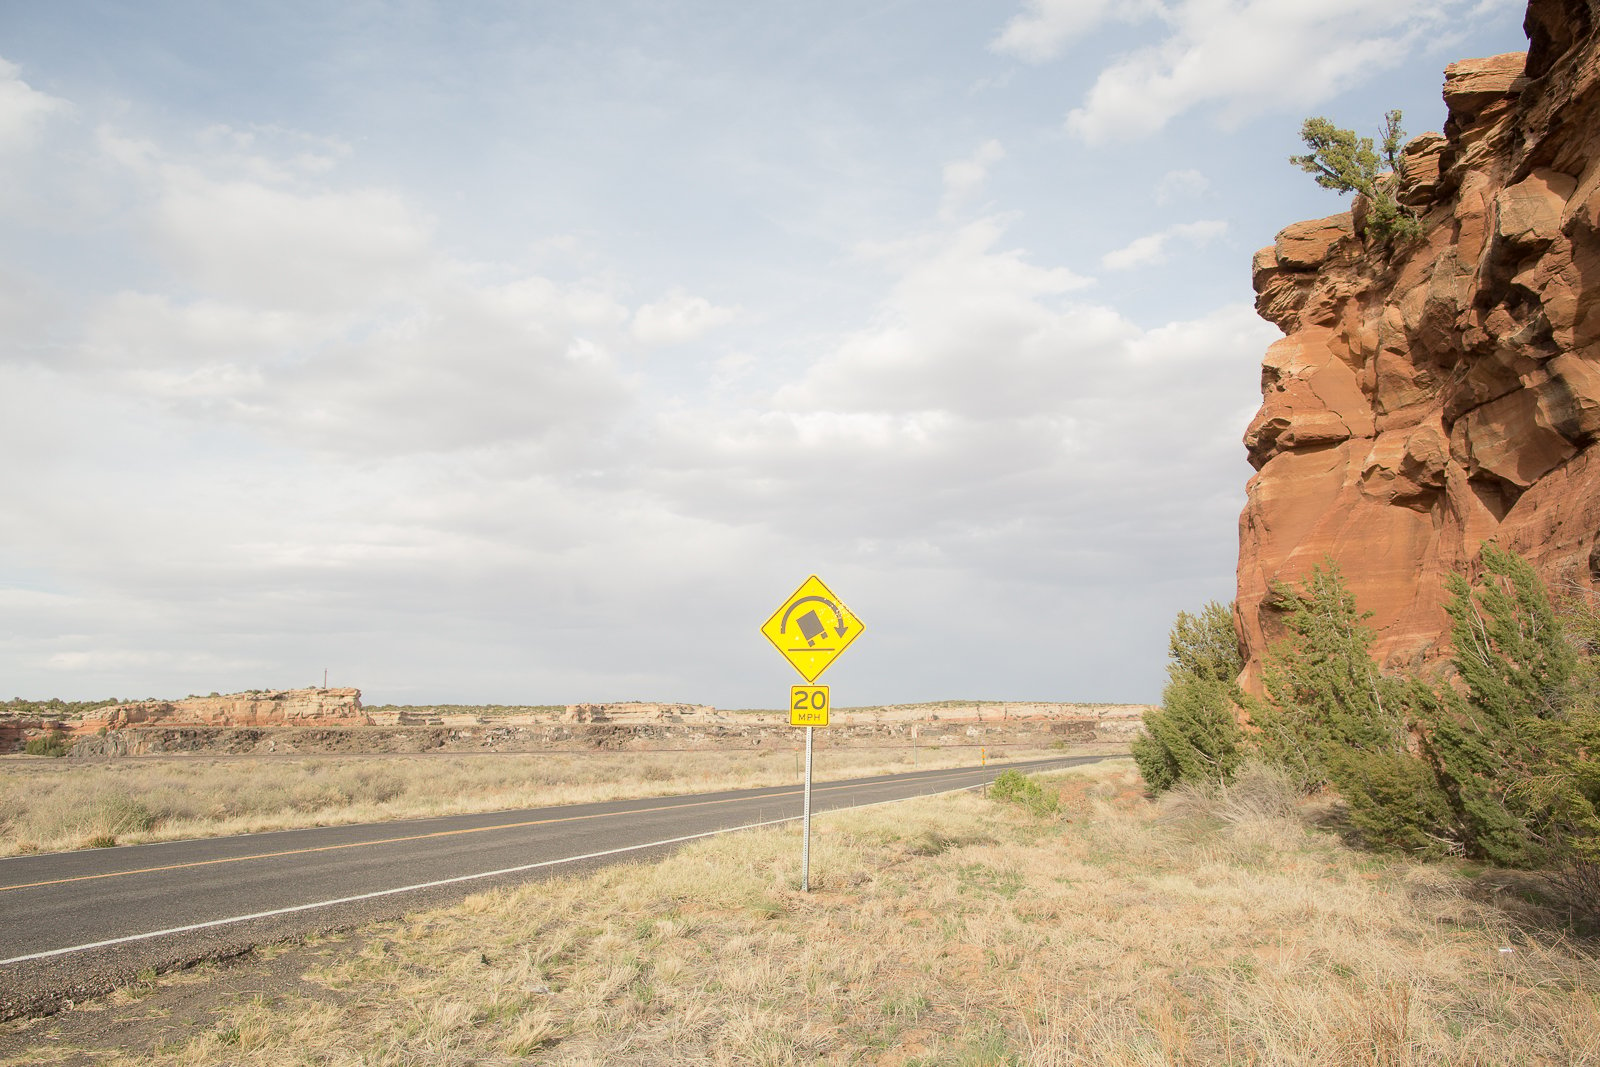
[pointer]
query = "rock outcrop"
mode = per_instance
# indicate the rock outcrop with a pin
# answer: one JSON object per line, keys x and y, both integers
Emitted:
{"x": 635, "y": 712}
{"x": 266, "y": 707}
{"x": 753, "y": 733}
{"x": 16, "y": 732}
{"x": 334, "y": 721}
{"x": 1428, "y": 398}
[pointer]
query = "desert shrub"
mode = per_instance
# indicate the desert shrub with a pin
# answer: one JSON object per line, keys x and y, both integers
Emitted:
{"x": 119, "y": 814}
{"x": 1194, "y": 735}
{"x": 1258, "y": 791}
{"x": 53, "y": 743}
{"x": 1570, "y": 782}
{"x": 1260, "y": 794}
{"x": 1014, "y": 787}
{"x": 54, "y": 708}
{"x": 1319, "y": 672}
{"x": 1330, "y": 717}
{"x": 1512, "y": 744}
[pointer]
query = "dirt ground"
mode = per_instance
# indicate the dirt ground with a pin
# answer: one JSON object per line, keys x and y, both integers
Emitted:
{"x": 165, "y": 1012}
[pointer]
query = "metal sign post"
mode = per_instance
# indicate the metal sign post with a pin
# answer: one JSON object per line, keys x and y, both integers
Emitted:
{"x": 808, "y": 707}
{"x": 805, "y": 820}
{"x": 810, "y": 629}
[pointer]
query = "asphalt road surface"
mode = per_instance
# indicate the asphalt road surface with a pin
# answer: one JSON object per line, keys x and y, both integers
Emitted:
{"x": 77, "y": 924}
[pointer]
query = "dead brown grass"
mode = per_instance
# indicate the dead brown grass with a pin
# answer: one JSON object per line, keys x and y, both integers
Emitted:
{"x": 68, "y": 804}
{"x": 955, "y": 931}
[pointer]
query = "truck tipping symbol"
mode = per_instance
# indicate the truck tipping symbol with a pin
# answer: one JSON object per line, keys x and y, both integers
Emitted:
{"x": 811, "y": 625}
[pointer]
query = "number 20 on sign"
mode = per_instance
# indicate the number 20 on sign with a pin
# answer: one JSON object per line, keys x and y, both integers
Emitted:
{"x": 808, "y": 705}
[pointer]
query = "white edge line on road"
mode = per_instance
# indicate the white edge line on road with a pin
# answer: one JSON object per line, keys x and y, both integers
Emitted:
{"x": 378, "y": 893}
{"x": 446, "y": 881}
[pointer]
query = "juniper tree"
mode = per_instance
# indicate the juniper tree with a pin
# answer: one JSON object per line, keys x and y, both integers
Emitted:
{"x": 1194, "y": 735}
{"x": 1330, "y": 717}
{"x": 1569, "y": 786}
{"x": 1502, "y": 732}
{"x": 1341, "y": 161}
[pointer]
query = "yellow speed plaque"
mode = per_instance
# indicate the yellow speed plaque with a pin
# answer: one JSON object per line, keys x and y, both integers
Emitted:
{"x": 808, "y": 705}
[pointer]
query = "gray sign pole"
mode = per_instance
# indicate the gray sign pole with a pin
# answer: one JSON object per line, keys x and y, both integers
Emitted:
{"x": 805, "y": 847}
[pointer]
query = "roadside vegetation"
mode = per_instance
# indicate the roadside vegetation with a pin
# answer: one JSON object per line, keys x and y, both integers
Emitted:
{"x": 1194, "y": 735}
{"x": 51, "y": 743}
{"x": 1204, "y": 926}
{"x": 1495, "y": 758}
{"x": 71, "y": 804}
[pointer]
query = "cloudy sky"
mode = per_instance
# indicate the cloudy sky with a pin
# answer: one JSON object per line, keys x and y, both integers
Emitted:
{"x": 534, "y": 353}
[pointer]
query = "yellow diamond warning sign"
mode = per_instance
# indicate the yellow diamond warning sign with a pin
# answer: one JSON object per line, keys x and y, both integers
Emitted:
{"x": 811, "y": 628}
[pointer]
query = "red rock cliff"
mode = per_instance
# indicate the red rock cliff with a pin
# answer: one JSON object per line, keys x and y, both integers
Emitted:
{"x": 1424, "y": 401}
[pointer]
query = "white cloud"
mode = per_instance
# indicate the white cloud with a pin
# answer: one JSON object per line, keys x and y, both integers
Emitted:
{"x": 1045, "y": 443}
{"x": 1181, "y": 185}
{"x": 320, "y": 250}
{"x": 966, "y": 327}
{"x": 460, "y": 365}
{"x": 305, "y": 431}
{"x": 1242, "y": 57}
{"x": 327, "y": 316}
{"x": 120, "y": 659}
{"x": 272, "y": 153}
{"x": 1152, "y": 248}
{"x": 730, "y": 369}
{"x": 677, "y": 318}
{"x": 1045, "y": 27}
{"x": 984, "y": 422}
{"x": 23, "y": 109}
{"x": 963, "y": 178}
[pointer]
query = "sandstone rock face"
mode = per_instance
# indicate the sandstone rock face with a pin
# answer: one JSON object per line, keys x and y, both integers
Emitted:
{"x": 15, "y": 733}
{"x": 333, "y": 721}
{"x": 1426, "y": 399}
{"x": 267, "y": 707}
{"x": 634, "y": 711}
{"x": 769, "y": 735}
{"x": 1105, "y": 719}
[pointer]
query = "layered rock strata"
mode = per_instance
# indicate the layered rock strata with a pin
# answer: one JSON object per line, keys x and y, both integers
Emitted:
{"x": 333, "y": 721}
{"x": 1429, "y": 397}
{"x": 752, "y": 736}
{"x": 266, "y": 707}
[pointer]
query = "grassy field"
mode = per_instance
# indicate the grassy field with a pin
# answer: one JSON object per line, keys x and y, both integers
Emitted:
{"x": 55, "y": 805}
{"x": 955, "y": 931}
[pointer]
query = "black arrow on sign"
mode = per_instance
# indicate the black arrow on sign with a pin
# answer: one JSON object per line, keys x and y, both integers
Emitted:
{"x": 841, "y": 630}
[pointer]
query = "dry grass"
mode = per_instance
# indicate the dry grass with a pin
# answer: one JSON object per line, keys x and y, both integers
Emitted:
{"x": 956, "y": 931}
{"x": 71, "y": 804}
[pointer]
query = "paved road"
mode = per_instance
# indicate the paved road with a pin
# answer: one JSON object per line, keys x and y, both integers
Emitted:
{"x": 76, "y": 924}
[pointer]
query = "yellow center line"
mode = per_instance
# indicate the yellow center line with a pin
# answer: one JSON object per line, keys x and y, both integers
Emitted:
{"x": 413, "y": 837}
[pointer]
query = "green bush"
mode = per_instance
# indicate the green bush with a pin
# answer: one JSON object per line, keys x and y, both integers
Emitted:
{"x": 53, "y": 743}
{"x": 54, "y": 708}
{"x": 1506, "y": 745}
{"x": 1332, "y": 718}
{"x": 114, "y": 813}
{"x": 1500, "y": 761}
{"x": 1570, "y": 784}
{"x": 1341, "y": 161}
{"x": 1194, "y": 736}
{"x": 1017, "y": 788}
